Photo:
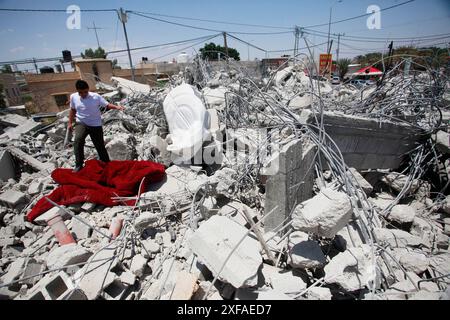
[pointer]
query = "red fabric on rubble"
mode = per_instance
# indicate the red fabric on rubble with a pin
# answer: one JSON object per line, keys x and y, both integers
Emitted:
{"x": 97, "y": 182}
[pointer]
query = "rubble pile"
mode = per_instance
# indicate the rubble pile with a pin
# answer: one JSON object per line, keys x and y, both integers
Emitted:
{"x": 272, "y": 203}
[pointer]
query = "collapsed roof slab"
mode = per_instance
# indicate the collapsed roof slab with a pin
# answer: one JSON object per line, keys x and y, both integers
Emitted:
{"x": 36, "y": 164}
{"x": 368, "y": 143}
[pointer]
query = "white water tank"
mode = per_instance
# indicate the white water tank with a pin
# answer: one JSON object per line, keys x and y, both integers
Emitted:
{"x": 183, "y": 58}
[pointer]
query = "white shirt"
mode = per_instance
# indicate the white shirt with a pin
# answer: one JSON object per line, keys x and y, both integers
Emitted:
{"x": 88, "y": 109}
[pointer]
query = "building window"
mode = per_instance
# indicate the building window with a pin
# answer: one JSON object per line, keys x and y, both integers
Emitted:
{"x": 61, "y": 99}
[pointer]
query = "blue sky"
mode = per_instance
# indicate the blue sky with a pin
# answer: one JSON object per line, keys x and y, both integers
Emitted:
{"x": 25, "y": 35}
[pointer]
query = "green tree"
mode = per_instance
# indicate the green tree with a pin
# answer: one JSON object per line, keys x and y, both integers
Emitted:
{"x": 7, "y": 68}
{"x": 211, "y": 51}
{"x": 92, "y": 54}
{"x": 115, "y": 64}
{"x": 342, "y": 66}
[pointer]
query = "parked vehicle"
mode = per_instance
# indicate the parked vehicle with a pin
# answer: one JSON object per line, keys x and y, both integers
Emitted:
{"x": 358, "y": 83}
{"x": 335, "y": 80}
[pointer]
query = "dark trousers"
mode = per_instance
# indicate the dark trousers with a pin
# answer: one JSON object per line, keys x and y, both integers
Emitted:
{"x": 96, "y": 134}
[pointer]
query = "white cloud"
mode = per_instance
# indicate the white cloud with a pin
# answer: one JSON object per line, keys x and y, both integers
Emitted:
{"x": 17, "y": 49}
{"x": 9, "y": 30}
{"x": 40, "y": 35}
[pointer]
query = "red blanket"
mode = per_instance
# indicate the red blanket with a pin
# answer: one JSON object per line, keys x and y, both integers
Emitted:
{"x": 98, "y": 182}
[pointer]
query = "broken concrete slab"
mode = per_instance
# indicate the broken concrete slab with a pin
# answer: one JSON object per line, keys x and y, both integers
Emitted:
{"x": 185, "y": 287}
{"x": 304, "y": 253}
{"x": 324, "y": 215}
{"x": 288, "y": 181}
{"x": 92, "y": 279}
{"x": 138, "y": 264}
{"x": 319, "y": 293}
{"x": 12, "y": 199}
{"x": 66, "y": 255}
{"x": 352, "y": 269}
{"x": 363, "y": 183}
{"x": 402, "y": 213}
{"x": 213, "y": 242}
{"x": 397, "y": 238}
{"x": 235, "y": 211}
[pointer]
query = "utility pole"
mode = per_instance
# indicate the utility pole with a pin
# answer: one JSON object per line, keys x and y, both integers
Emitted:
{"x": 96, "y": 35}
{"x": 123, "y": 18}
{"x": 35, "y": 66}
{"x": 339, "y": 40}
{"x": 225, "y": 44}
{"x": 296, "y": 36}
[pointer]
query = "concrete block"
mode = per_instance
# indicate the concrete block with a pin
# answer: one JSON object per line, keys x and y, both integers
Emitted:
{"x": 212, "y": 243}
{"x": 319, "y": 293}
{"x": 366, "y": 186}
{"x": 33, "y": 268}
{"x": 35, "y": 188}
{"x": 53, "y": 212}
{"x": 324, "y": 215}
{"x": 12, "y": 199}
{"x": 54, "y": 287}
{"x": 88, "y": 206}
{"x": 96, "y": 276}
{"x": 288, "y": 181}
{"x": 350, "y": 269}
{"x": 66, "y": 255}
{"x": 81, "y": 230}
{"x": 115, "y": 291}
{"x": 138, "y": 265}
{"x": 304, "y": 253}
{"x": 235, "y": 211}
{"x": 128, "y": 278}
{"x": 396, "y": 238}
{"x": 402, "y": 213}
{"x": 185, "y": 287}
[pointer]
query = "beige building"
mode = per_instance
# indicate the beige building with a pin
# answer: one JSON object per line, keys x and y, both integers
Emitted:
{"x": 11, "y": 89}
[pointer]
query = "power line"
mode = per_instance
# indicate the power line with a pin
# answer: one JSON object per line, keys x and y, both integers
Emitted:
{"x": 388, "y": 38}
{"x": 216, "y": 21}
{"x": 55, "y": 10}
{"x": 360, "y": 16}
{"x": 247, "y": 43}
{"x": 206, "y": 29}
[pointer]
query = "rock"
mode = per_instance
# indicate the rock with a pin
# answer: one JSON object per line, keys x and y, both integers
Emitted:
{"x": 66, "y": 255}
{"x": 151, "y": 246}
{"x": 304, "y": 253}
{"x": 224, "y": 180}
{"x": 382, "y": 201}
{"x": 212, "y": 243}
{"x": 12, "y": 199}
{"x": 447, "y": 226}
{"x": 324, "y": 215}
{"x": 35, "y": 188}
{"x": 402, "y": 213}
{"x": 397, "y": 238}
{"x": 366, "y": 186}
{"x": 441, "y": 263}
{"x": 423, "y": 229}
{"x": 138, "y": 265}
{"x": 319, "y": 293}
{"x": 352, "y": 269}
{"x": 272, "y": 295}
{"x": 443, "y": 142}
{"x": 425, "y": 295}
{"x": 32, "y": 268}
{"x": 287, "y": 282}
{"x": 14, "y": 271}
{"x": 235, "y": 211}
{"x": 121, "y": 147}
{"x": 96, "y": 275}
{"x": 128, "y": 278}
{"x": 185, "y": 286}
{"x": 397, "y": 181}
{"x": 145, "y": 220}
{"x": 81, "y": 230}
{"x": 413, "y": 261}
{"x": 446, "y": 205}
{"x": 300, "y": 102}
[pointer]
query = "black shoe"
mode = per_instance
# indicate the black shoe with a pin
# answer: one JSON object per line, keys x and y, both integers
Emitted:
{"x": 77, "y": 168}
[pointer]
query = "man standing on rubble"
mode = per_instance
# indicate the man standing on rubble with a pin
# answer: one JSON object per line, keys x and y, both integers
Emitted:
{"x": 85, "y": 107}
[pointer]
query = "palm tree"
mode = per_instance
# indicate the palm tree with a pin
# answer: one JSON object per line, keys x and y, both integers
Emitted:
{"x": 342, "y": 65}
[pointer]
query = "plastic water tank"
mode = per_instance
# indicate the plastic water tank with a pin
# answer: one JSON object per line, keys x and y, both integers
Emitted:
{"x": 183, "y": 58}
{"x": 188, "y": 121}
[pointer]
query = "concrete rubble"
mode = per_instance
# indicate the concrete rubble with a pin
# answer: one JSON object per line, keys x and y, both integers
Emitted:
{"x": 261, "y": 200}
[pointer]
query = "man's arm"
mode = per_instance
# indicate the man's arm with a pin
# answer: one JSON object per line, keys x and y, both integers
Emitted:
{"x": 114, "y": 107}
{"x": 72, "y": 114}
